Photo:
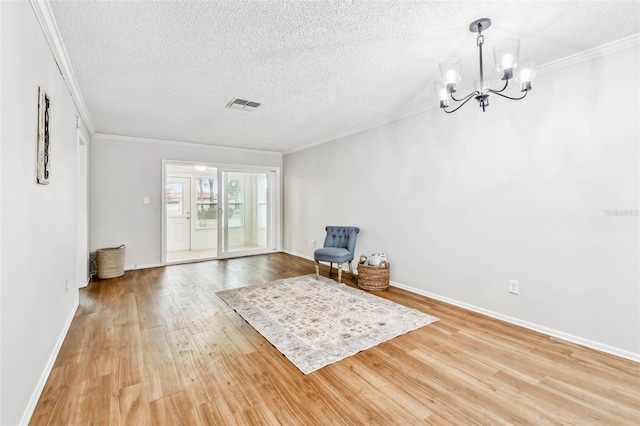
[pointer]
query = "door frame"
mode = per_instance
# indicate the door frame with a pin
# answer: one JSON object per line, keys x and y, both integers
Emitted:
{"x": 275, "y": 211}
{"x": 83, "y": 272}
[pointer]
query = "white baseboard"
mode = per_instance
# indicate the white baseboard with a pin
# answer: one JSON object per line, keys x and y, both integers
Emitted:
{"x": 135, "y": 267}
{"x": 28, "y": 412}
{"x": 293, "y": 253}
{"x": 622, "y": 353}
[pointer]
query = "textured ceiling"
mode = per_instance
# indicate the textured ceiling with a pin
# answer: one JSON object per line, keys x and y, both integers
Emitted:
{"x": 321, "y": 69}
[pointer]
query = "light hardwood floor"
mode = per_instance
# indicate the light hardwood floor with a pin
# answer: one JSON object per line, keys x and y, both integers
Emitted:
{"x": 158, "y": 347}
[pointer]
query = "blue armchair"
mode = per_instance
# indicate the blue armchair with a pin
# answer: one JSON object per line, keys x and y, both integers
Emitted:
{"x": 339, "y": 247}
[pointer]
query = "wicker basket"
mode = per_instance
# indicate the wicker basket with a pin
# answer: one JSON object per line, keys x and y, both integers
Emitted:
{"x": 110, "y": 262}
{"x": 373, "y": 277}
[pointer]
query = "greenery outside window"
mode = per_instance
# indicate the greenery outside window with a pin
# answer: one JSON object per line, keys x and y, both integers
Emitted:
{"x": 206, "y": 203}
{"x": 234, "y": 202}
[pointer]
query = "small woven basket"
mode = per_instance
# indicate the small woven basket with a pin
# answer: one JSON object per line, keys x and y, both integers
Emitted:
{"x": 373, "y": 277}
{"x": 110, "y": 262}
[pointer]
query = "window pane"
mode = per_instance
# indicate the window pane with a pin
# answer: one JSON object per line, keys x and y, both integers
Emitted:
{"x": 174, "y": 199}
{"x": 207, "y": 215}
{"x": 207, "y": 203}
{"x": 235, "y": 194}
{"x": 206, "y": 190}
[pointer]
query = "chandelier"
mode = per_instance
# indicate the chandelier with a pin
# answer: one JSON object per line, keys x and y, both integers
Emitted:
{"x": 506, "y": 59}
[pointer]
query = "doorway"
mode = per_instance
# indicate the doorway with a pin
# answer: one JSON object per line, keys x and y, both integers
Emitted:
{"x": 212, "y": 211}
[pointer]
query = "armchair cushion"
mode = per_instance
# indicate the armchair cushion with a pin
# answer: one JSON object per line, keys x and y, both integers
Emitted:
{"x": 333, "y": 254}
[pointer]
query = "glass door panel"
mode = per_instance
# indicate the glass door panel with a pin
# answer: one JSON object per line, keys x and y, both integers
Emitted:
{"x": 205, "y": 206}
{"x": 178, "y": 214}
{"x": 245, "y": 211}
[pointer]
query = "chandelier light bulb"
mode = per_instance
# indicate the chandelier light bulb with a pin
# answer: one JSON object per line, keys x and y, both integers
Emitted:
{"x": 441, "y": 93}
{"x": 507, "y": 61}
{"x": 526, "y": 74}
{"x": 505, "y": 55}
{"x": 451, "y": 76}
{"x": 450, "y": 69}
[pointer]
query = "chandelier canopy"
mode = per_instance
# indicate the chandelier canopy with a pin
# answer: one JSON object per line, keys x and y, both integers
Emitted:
{"x": 506, "y": 61}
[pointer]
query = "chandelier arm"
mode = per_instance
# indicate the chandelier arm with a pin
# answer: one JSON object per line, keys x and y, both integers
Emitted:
{"x": 459, "y": 106}
{"x": 506, "y": 83}
{"x": 509, "y": 97}
{"x": 465, "y": 98}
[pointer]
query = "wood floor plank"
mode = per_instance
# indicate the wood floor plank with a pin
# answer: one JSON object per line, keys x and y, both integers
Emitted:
{"x": 129, "y": 359}
{"x": 158, "y": 347}
{"x": 174, "y": 410}
{"x": 195, "y": 318}
{"x": 130, "y": 406}
{"x": 213, "y": 413}
{"x": 217, "y": 361}
{"x": 160, "y": 373}
{"x": 185, "y": 358}
{"x": 296, "y": 398}
{"x": 55, "y": 401}
{"x": 93, "y": 402}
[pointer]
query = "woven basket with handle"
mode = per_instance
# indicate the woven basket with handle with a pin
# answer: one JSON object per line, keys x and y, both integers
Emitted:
{"x": 110, "y": 262}
{"x": 373, "y": 277}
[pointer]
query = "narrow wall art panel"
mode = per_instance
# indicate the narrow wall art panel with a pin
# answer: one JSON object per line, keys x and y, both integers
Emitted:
{"x": 44, "y": 146}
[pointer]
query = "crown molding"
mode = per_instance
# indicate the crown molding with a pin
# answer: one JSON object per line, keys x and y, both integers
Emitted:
{"x": 136, "y": 139}
{"x": 367, "y": 126}
{"x": 591, "y": 54}
{"x": 569, "y": 61}
{"x": 47, "y": 21}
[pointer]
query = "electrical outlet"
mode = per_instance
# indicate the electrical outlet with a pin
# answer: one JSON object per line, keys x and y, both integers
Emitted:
{"x": 313, "y": 243}
{"x": 66, "y": 286}
{"x": 514, "y": 287}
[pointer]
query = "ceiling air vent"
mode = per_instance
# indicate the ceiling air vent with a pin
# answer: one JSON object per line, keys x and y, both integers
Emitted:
{"x": 237, "y": 103}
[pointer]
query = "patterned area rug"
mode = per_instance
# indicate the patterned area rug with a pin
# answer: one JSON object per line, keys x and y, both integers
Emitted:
{"x": 316, "y": 322}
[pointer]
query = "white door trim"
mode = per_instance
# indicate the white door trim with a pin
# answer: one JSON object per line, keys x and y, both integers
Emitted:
{"x": 83, "y": 210}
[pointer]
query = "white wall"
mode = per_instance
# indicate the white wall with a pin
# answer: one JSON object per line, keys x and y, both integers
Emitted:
{"x": 1, "y": 117}
{"x": 38, "y": 222}
{"x": 125, "y": 170}
{"x": 462, "y": 203}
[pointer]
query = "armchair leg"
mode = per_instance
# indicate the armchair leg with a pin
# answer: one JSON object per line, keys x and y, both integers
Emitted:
{"x": 339, "y": 272}
{"x": 330, "y": 269}
{"x": 350, "y": 268}
{"x": 317, "y": 269}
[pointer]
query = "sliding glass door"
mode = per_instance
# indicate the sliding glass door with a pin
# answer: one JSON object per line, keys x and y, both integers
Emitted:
{"x": 217, "y": 212}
